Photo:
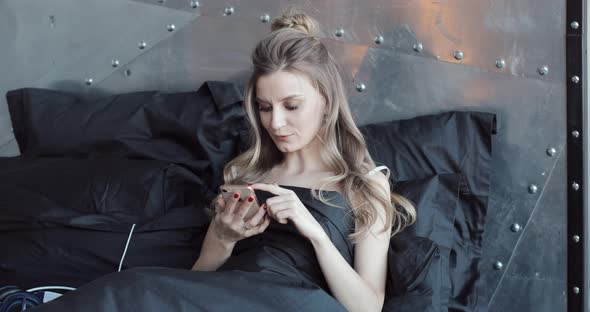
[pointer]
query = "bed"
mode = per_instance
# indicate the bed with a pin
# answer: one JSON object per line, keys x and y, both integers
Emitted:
{"x": 110, "y": 184}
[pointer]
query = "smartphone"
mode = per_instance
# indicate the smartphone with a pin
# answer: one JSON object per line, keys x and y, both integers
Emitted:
{"x": 228, "y": 190}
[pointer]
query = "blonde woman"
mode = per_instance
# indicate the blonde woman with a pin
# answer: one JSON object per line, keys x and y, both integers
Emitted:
{"x": 304, "y": 140}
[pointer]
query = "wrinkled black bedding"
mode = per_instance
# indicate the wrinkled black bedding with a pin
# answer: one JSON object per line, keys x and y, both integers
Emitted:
{"x": 68, "y": 203}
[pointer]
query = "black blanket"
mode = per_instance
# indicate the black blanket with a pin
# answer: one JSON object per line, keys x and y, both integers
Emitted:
{"x": 273, "y": 271}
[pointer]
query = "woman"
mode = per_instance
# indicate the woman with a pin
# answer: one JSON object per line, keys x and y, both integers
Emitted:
{"x": 302, "y": 250}
{"x": 304, "y": 138}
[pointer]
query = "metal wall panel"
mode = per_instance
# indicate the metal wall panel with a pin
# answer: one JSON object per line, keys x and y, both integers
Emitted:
{"x": 408, "y": 58}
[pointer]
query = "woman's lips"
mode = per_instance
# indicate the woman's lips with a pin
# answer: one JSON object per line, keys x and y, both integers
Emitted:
{"x": 283, "y": 137}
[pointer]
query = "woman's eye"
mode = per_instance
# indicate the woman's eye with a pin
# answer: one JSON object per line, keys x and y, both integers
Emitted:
{"x": 264, "y": 109}
{"x": 291, "y": 107}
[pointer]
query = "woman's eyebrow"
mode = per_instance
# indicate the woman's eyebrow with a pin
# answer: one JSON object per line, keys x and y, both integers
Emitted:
{"x": 283, "y": 99}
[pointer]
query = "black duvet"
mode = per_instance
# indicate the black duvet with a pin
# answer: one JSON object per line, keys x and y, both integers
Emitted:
{"x": 273, "y": 271}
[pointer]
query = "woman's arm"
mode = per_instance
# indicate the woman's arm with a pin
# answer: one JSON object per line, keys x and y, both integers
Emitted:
{"x": 214, "y": 252}
{"x": 361, "y": 288}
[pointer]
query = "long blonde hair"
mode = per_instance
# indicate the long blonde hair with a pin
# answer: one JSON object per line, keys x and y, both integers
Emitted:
{"x": 294, "y": 45}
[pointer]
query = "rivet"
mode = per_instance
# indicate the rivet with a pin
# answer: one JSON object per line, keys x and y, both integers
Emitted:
{"x": 515, "y": 227}
{"x": 89, "y": 81}
{"x": 543, "y": 70}
{"x": 458, "y": 55}
{"x": 575, "y": 25}
{"x": 576, "y": 290}
{"x": 115, "y": 63}
{"x": 265, "y": 18}
{"x": 551, "y": 152}
{"x": 228, "y": 10}
{"x": 379, "y": 39}
{"x": 418, "y": 47}
{"x": 575, "y": 79}
{"x": 127, "y": 72}
{"x": 498, "y": 265}
{"x": 500, "y": 63}
{"x": 575, "y": 186}
{"x": 195, "y": 4}
{"x": 161, "y": 1}
{"x": 575, "y": 133}
{"x": 339, "y": 32}
{"x": 170, "y": 27}
{"x": 360, "y": 87}
{"x": 142, "y": 45}
{"x": 576, "y": 238}
{"x": 533, "y": 189}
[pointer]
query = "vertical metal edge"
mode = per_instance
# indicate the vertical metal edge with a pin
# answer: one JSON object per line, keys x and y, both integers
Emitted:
{"x": 586, "y": 116}
{"x": 576, "y": 275}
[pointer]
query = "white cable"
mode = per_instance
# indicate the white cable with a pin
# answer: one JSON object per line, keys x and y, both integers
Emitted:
{"x": 126, "y": 245}
{"x": 50, "y": 287}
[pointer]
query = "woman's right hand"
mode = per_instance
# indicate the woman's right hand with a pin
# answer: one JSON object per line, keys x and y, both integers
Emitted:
{"x": 229, "y": 220}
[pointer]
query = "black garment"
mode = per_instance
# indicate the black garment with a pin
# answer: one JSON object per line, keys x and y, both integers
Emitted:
{"x": 273, "y": 271}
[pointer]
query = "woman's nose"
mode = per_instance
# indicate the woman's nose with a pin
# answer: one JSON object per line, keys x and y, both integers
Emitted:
{"x": 278, "y": 119}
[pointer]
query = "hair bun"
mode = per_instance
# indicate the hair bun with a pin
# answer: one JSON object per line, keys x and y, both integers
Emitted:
{"x": 296, "y": 19}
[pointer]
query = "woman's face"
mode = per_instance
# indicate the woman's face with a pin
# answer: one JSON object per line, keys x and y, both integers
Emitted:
{"x": 290, "y": 109}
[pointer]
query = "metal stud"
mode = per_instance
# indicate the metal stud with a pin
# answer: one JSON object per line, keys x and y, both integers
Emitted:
{"x": 127, "y": 72}
{"x": 142, "y": 45}
{"x": 575, "y": 186}
{"x": 418, "y": 47}
{"x": 161, "y": 1}
{"x": 575, "y": 79}
{"x": 170, "y": 27}
{"x": 458, "y": 55}
{"x": 265, "y": 18}
{"x": 498, "y": 265}
{"x": 575, "y": 134}
{"x": 515, "y": 227}
{"x": 551, "y": 152}
{"x": 543, "y": 70}
{"x": 89, "y": 81}
{"x": 576, "y": 290}
{"x": 500, "y": 63}
{"x": 533, "y": 189}
{"x": 228, "y": 10}
{"x": 576, "y": 238}
{"x": 195, "y": 4}
{"x": 575, "y": 25}
{"x": 115, "y": 63}
{"x": 339, "y": 32}
{"x": 360, "y": 87}
{"x": 379, "y": 39}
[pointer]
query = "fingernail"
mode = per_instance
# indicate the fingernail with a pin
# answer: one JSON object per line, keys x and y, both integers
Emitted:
{"x": 250, "y": 199}
{"x": 250, "y": 184}
{"x": 264, "y": 206}
{"x": 236, "y": 195}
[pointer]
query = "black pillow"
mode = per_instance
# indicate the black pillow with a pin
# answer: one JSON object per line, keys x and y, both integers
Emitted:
{"x": 457, "y": 144}
{"x": 415, "y": 255}
{"x": 200, "y": 130}
{"x": 66, "y": 221}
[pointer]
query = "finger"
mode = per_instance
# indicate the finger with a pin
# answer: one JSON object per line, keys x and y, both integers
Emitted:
{"x": 283, "y": 216}
{"x": 219, "y": 204}
{"x": 281, "y": 199}
{"x": 255, "y": 220}
{"x": 230, "y": 207}
{"x": 273, "y": 188}
{"x": 243, "y": 208}
{"x": 264, "y": 225}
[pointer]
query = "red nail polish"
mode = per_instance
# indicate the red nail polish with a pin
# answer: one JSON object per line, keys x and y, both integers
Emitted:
{"x": 250, "y": 199}
{"x": 236, "y": 195}
{"x": 264, "y": 205}
{"x": 250, "y": 184}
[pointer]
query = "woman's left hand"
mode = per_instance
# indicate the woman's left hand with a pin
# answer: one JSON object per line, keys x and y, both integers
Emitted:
{"x": 287, "y": 206}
